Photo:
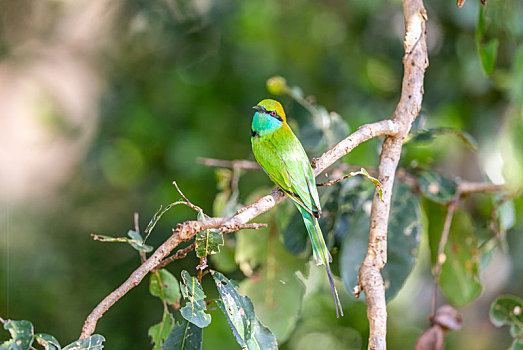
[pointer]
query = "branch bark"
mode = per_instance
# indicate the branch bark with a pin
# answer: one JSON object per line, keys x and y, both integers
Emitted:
{"x": 220, "y": 163}
{"x": 186, "y": 230}
{"x": 415, "y": 62}
{"x": 475, "y": 187}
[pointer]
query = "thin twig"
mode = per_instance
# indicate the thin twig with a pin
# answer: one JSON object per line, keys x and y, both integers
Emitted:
{"x": 475, "y": 187}
{"x": 440, "y": 258}
{"x": 113, "y": 239}
{"x": 332, "y": 182}
{"x": 202, "y": 266}
{"x": 157, "y": 216}
{"x": 186, "y": 200}
{"x": 227, "y": 228}
{"x": 187, "y": 230}
{"x": 238, "y": 164}
{"x": 183, "y": 232}
{"x": 180, "y": 254}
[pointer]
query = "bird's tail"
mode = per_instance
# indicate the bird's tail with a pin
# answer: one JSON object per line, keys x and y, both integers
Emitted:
{"x": 321, "y": 253}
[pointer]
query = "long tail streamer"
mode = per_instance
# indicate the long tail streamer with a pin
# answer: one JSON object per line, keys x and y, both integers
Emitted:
{"x": 321, "y": 254}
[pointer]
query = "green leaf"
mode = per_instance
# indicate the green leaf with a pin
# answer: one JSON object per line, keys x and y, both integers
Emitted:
{"x": 459, "y": 278}
{"x": 208, "y": 241}
{"x": 428, "y": 135}
{"x": 156, "y": 217}
{"x": 138, "y": 243}
{"x": 194, "y": 312}
{"x": 191, "y": 288}
{"x": 436, "y": 187}
{"x": 480, "y": 30}
{"x": 184, "y": 336}
{"x": 238, "y": 310}
{"x": 404, "y": 233}
{"x": 22, "y": 333}
{"x": 263, "y": 339}
{"x": 94, "y": 342}
{"x": 488, "y": 53}
{"x": 240, "y": 314}
{"x": 160, "y": 331}
{"x": 353, "y": 194}
{"x": 48, "y": 341}
{"x": 517, "y": 344}
{"x": 194, "y": 309}
{"x": 375, "y": 181}
{"x": 135, "y": 241}
{"x": 506, "y": 310}
{"x": 164, "y": 286}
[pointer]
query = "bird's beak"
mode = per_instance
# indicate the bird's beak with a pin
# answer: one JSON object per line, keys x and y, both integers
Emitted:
{"x": 258, "y": 108}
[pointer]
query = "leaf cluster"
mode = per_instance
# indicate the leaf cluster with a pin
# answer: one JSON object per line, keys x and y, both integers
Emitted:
{"x": 23, "y": 337}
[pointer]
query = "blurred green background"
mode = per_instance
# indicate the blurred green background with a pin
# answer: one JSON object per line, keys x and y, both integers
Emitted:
{"x": 104, "y": 103}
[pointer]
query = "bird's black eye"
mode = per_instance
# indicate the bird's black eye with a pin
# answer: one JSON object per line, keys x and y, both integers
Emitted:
{"x": 273, "y": 113}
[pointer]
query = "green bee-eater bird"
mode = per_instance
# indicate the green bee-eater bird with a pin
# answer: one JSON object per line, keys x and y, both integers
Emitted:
{"x": 283, "y": 158}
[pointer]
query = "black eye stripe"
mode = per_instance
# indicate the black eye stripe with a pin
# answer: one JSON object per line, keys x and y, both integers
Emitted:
{"x": 274, "y": 114}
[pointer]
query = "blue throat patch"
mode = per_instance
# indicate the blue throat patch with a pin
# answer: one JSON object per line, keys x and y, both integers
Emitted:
{"x": 264, "y": 124}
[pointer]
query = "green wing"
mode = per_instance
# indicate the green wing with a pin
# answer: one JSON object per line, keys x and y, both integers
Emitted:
{"x": 282, "y": 157}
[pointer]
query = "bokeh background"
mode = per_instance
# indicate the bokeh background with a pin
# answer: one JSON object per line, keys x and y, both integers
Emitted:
{"x": 104, "y": 103}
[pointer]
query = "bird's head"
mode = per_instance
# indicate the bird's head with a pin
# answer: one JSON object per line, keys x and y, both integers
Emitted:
{"x": 272, "y": 109}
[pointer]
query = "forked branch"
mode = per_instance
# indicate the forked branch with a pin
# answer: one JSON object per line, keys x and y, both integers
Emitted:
{"x": 396, "y": 129}
{"x": 415, "y": 61}
{"x": 186, "y": 230}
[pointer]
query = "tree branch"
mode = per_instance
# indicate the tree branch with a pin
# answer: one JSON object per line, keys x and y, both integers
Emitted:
{"x": 440, "y": 259}
{"x": 415, "y": 62}
{"x": 364, "y": 133}
{"x": 475, "y": 187}
{"x": 180, "y": 254}
{"x": 186, "y": 230}
{"x": 235, "y": 164}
